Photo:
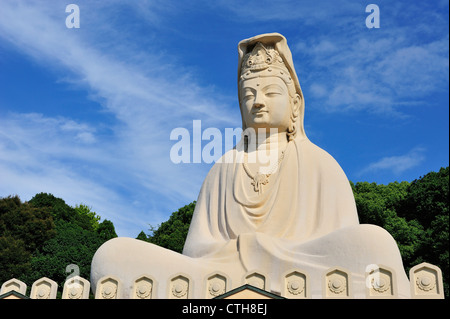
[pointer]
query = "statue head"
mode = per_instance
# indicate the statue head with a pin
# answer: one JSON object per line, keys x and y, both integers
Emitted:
{"x": 269, "y": 92}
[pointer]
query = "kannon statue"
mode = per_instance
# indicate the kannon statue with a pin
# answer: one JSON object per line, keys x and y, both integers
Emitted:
{"x": 296, "y": 211}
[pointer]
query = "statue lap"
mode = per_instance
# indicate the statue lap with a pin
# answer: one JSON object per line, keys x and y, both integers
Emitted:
{"x": 354, "y": 248}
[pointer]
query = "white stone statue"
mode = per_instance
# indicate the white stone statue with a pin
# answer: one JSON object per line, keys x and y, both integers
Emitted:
{"x": 296, "y": 212}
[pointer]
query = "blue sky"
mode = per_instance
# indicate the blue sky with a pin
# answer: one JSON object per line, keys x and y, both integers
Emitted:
{"x": 86, "y": 113}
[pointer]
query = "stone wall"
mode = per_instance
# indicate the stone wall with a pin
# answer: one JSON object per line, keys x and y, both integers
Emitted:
{"x": 425, "y": 280}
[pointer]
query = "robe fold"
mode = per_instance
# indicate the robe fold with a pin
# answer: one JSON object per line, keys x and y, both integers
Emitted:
{"x": 309, "y": 196}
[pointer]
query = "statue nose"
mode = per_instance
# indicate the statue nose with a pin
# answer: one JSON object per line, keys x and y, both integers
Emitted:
{"x": 259, "y": 102}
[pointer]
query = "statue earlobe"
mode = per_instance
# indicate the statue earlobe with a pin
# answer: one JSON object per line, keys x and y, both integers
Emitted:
{"x": 296, "y": 105}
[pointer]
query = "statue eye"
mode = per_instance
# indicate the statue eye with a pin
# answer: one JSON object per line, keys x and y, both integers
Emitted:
{"x": 248, "y": 95}
{"x": 273, "y": 93}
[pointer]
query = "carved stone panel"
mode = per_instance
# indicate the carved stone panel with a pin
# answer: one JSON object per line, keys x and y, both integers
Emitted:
{"x": 44, "y": 288}
{"x": 336, "y": 284}
{"x": 295, "y": 285}
{"x": 13, "y": 284}
{"x": 108, "y": 288}
{"x": 76, "y": 288}
{"x": 426, "y": 282}
{"x": 144, "y": 288}
{"x": 255, "y": 279}
{"x": 216, "y": 285}
{"x": 179, "y": 287}
{"x": 380, "y": 282}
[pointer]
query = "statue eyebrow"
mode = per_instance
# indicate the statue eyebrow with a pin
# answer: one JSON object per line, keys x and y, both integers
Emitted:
{"x": 248, "y": 89}
{"x": 273, "y": 85}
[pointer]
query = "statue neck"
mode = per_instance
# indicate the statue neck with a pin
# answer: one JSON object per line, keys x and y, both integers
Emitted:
{"x": 267, "y": 140}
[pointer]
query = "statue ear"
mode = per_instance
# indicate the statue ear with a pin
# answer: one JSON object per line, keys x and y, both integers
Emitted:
{"x": 297, "y": 102}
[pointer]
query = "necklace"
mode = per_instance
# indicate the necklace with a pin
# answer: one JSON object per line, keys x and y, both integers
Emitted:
{"x": 260, "y": 179}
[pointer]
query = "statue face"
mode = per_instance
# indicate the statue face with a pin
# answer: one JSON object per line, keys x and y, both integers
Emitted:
{"x": 265, "y": 103}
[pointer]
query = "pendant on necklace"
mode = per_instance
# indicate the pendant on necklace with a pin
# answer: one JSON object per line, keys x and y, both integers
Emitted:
{"x": 259, "y": 180}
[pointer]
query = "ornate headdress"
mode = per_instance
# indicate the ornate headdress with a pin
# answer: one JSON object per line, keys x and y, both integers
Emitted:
{"x": 264, "y": 58}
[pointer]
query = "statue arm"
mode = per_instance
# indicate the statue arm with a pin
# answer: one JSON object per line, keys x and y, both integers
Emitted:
{"x": 204, "y": 236}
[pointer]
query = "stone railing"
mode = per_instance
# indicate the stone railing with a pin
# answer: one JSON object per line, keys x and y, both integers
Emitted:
{"x": 425, "y": 280}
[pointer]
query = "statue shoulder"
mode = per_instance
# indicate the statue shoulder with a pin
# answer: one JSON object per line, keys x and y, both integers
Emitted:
{"x": 223, "y": 163}
{"x": 308, "y": 147}
{"x": 317, "y": 155}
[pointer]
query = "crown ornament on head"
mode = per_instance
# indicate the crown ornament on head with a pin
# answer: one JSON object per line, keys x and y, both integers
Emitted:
{"x": 264, "y": 58}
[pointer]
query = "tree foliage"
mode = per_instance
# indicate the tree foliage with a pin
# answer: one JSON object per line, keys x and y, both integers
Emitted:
{"x": 172, "y": 233}
{"x": 72, "y": 245}
{"x": 23, "y": 221}
{"x": 14, "y": 258}
{"x": 86, "y": 211}
{"x": 416, "y": 214}
{"x": 378, "y": 205}
{"x": 427, "y": 198}
{"x": 44, "y": 236}
{"x": 23, "y": 228}
{"x": 106, "y": 230}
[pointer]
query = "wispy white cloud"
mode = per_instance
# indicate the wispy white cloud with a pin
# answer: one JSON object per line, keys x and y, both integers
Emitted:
{"x": 398, "y": 163}
{"x": 377, "y": 70}
{"x": 359, "y": 69}
{"x": 380, "y": 76}
{"x": 78, "y": 161}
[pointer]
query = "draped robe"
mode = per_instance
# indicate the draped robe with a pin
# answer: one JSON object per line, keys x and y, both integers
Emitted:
{"x": 305, "y": 220}
{"x": 309, "y": 196}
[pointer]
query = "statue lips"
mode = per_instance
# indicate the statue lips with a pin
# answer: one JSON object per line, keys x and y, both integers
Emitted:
{"x": 260, "y": 112}
{"x": 260, "y": 115}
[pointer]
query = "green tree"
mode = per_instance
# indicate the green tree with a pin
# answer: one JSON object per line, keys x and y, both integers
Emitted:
{"x": 142, "y": 236}
{"x": 44, "y": 236}
{"x": 15, "y": 260}
{"x": 172, "y": 233}
{"x": 416, "y": 214}
{"x": 23, "y": 229}
{"x": 428, "y": 203}
{"x": 78, "y": 236}
{"x": 22, "y": 221}
{"x": 85, "y": 210}
{"x": 60, "y": 210}
{"x": 427, "y": 198}
{"x": 377, "y": 204}
{"x": 72, "y": 245}
{"x": 374, "y": 200}
{"x": 106, "y": 230}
